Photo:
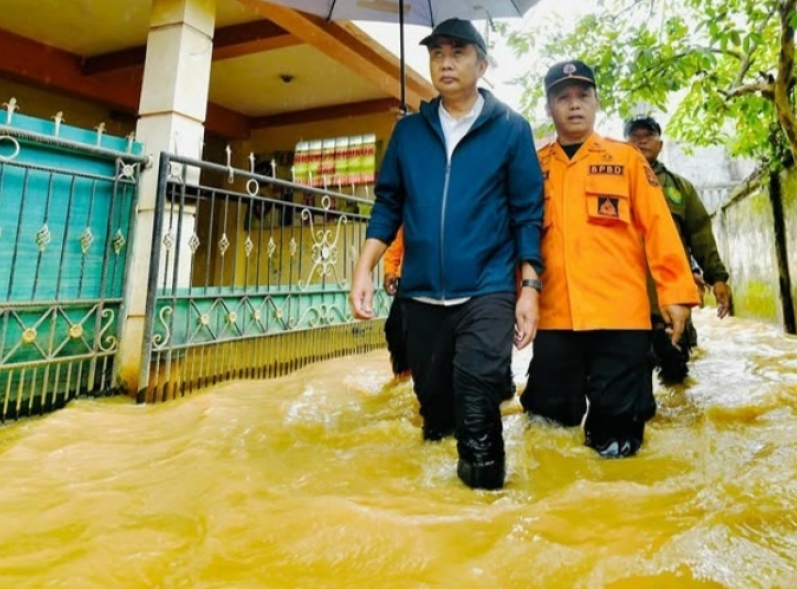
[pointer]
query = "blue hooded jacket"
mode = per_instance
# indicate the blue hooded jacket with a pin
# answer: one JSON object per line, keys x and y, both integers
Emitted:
{"x": 467, "y": 222}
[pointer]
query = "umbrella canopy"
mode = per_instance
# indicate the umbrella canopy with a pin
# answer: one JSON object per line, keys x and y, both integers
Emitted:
{"x": 416, "y": 12}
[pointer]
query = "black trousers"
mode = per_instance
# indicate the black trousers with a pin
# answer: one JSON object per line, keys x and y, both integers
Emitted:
{"x": 396, "y": 337}
{"x": 460, "y": 357}
{"x": 611, "y": 368}
{"x": 672, "y": 362}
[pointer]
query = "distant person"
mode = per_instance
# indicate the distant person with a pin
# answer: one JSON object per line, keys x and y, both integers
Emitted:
{"x": 694, "y": 227}
{"x": 396, "y": 325}
{"x": 602, "y": 202}
{"x": 463, "y": 178}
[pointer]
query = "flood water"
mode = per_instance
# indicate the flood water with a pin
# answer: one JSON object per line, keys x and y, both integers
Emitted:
{"x": 320, "y": 480}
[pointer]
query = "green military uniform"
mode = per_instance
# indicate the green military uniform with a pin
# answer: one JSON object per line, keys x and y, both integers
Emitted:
{"x": 693, "y": 223}
{"x": 694, "y": 227}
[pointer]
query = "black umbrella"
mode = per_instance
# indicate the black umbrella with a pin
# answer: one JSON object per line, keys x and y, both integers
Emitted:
{"x": 418, "y": 12}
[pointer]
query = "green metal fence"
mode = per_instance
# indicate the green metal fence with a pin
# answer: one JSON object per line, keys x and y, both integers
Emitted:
{"x": 67, "y": 198}
{"x": 249, "y": 278}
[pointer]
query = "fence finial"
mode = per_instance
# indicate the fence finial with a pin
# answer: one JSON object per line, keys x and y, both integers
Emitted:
{"x": 131, "y": 137}
{"x": 10, "y": 106}
{"x": 58, "y": 118}
{"x": 100, "y": 130}
{"x": 230, "y": 171}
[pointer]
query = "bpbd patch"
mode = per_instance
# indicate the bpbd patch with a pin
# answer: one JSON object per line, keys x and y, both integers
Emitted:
{"x": 607, "y": 170}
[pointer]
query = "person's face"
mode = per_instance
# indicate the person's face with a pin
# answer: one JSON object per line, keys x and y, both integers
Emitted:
{"x": 647, "y": 141}
{"x": 455, "y": 66}
{"x": 573, "y": 105}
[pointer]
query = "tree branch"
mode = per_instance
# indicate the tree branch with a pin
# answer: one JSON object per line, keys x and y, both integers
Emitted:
{"x": 747, "y": 61}
{"x": 731, "y": 52}
{"x": 661, "y": 66}
{"x": 766, "y": 88}
{"x": 783, "y": 107}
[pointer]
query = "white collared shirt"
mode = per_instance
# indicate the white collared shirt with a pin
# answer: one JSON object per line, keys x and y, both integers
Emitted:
{"x": 453, "y": 131}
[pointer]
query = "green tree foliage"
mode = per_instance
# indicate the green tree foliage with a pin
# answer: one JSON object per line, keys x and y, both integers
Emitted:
{"x": 726, "y": 65}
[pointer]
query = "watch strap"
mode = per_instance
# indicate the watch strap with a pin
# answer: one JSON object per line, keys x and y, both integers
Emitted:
{"x": 534, "y": 283}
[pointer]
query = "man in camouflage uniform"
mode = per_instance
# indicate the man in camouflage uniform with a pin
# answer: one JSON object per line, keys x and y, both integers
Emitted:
{"x": 694, "y": 226}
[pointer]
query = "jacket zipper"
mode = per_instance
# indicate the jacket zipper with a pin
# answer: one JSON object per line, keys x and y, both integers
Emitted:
{"x": 443, "y": 228}
{"x": 441, "y": 136}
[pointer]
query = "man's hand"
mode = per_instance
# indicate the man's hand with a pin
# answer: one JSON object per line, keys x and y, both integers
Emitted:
{"x": 391, "y": 284}
{"x": 722, "y": 293}
{"x": 361, "y": 295}
{"x": 527, "y": 316}
{"x": 675, "y": 316}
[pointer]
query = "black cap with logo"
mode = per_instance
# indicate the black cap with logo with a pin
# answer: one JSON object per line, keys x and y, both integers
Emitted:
{"x": 569, "y": 70}
{"x": 456, "y": 28}
{"x": 645, "y": 121}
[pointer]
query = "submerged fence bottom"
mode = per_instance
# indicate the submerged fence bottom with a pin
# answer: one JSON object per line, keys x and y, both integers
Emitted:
{"x": 29, "y": 390}
{"x": 175, "y": 373}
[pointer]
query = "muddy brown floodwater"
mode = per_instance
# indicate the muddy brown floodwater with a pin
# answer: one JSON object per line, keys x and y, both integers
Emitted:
{"x": 320, "y": 480}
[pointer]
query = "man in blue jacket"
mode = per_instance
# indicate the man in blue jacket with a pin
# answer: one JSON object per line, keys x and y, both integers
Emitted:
{"x": 463, "y": 178}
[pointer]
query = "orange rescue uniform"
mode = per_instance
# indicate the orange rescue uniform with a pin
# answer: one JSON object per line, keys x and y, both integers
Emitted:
{"x": 604, "y": 210}
{"x": 395, "y": 254}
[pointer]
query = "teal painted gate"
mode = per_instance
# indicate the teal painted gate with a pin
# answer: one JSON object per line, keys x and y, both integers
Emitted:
{"x": 67, "y": 198}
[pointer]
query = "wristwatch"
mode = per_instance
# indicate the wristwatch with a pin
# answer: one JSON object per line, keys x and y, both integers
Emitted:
{"x": 534, "y": 283}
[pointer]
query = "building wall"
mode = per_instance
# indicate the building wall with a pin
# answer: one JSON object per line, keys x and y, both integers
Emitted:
{"x": 706, "y": 166}
{"x": 285, "y": 138}
{"x": 44, "y": 104}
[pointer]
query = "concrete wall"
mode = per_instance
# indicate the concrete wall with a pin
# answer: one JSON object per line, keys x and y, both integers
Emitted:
{"x": 745, "y": 234}
{"x": 744, "y": 226}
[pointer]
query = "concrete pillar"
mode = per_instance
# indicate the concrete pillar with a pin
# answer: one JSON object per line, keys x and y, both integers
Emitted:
{"x": 174, "y": 98}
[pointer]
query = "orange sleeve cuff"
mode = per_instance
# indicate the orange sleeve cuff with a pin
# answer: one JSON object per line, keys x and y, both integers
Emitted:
{"x": 679, "y": 295}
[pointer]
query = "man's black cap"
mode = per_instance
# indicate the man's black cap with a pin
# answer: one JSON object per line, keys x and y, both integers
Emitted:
{"x": 456, "y": 28}
{"x": 642, "y": 121}
{"x": 569, "y": 70}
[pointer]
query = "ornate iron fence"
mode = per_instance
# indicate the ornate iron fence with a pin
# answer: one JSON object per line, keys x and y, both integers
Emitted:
{"x": 67, "y": 198}
{"x": 249, "y": 278}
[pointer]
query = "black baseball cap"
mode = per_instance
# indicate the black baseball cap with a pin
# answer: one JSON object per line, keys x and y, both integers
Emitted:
{"x": 456, "y": 28}
{"x": 642, "y": 121}
{"x": 569, "y": 70}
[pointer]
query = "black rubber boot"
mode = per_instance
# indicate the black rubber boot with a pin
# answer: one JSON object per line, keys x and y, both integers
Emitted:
{"x": 481, "y": 460}
{"x": 614, "y": 437}
{"x": 482, "y": 475}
